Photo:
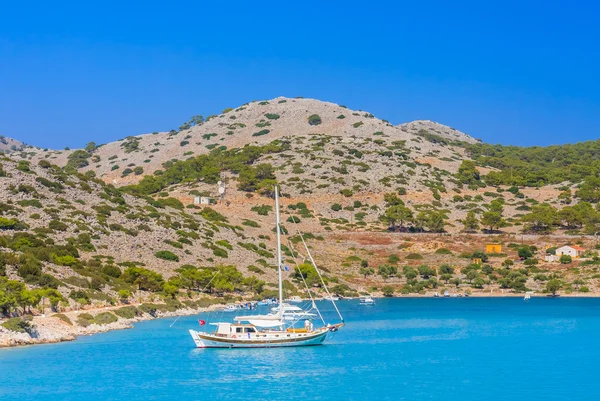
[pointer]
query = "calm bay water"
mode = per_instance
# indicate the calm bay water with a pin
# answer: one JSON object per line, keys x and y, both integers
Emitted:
{"x": 400, "y": 349}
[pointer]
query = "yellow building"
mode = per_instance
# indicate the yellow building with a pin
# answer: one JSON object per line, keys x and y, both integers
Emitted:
{"x": 493, "y": 248}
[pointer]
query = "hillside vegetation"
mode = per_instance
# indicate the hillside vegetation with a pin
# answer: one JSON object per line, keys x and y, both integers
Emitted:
{"x": 117, "y": 223}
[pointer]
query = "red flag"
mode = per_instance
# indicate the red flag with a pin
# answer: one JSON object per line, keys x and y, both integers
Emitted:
{"x": 202, "y": 322}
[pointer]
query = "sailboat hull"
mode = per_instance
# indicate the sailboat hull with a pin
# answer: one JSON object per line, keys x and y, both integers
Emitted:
{"x": 268, "y": 340}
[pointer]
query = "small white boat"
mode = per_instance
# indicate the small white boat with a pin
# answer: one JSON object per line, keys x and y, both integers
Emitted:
{"x": 286, "y": 308}
{"x": 268, "y": 301}
{"x": 295, "y": 299}
{"x": 528, "y": 295}
{"x": 446, "y": 294}
{"x": 366, "y": 301}
{"x": 331, "y": 298}
{"x": 230, "y": 308}
{"x": 436, "y": 294}
{"x": 293, "y": 313}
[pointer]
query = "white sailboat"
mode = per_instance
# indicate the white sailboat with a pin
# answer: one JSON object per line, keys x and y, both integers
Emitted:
{"x": 261, "y": 331}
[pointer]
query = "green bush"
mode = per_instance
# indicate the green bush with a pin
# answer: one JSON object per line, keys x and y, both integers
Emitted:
{"x": 262, "y": 210}
{"x": 315, "y": 119}
{"x": 18, "y": 325}
{"x": 44, "y": 164}
{"x": 220, "y": 252}
{"x": 127, "y": 312}
{"x": 7, "y": 224}
{"x": 57, "y": 225}
{"x": 255, "y": 269}
{"x": 565, "y": 259}
{"x": 105, "y": 318}
{"x": 414, "y": 256}
{"x": 111, "y": 270}
{"x": 261, "y": 132}
{"x": 250, "y": 223}
{"x": 443, "y": 251}
{"x": 150, "y": 309}
{"x": 388, "y": 291}
{"x": 293, "y": 219}
{"x": 64, "y": 318}
{"x": 167, "y": 255}
{"x": 85, "y": 319}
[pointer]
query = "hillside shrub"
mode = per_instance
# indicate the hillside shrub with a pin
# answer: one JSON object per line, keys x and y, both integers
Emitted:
{"x": 105, "y": 318}
{"x": 414, "y": 256}
{"x": 127, "y": 312}
{"x": 64, "y": 318}
{"x": 261, "y": 132}
{"x": 262, "y": 210}
{"x": 111, "y": 270}
{"x": 167, "y": 255}
{"x": 388, "y": 291}
{"x": 85, "y": 319}
{"x": 443, "y": 251}
{"x": 18, "y": 325}
{"x": 314, "y": 119}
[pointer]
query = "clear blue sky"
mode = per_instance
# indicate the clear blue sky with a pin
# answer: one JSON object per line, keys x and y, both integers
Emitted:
{"x": 511, "y": 72}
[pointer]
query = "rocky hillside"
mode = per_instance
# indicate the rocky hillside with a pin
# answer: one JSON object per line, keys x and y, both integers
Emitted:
{"x": 80, "y": 236}
{"x": 8, "y": 145}
{"x": 419, "y": 127}
{"x": 118, "y": 221}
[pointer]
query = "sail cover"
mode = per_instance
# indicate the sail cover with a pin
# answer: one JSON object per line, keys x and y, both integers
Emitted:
{"x": 265, "y": 323}
{"x": 272, "y": 320}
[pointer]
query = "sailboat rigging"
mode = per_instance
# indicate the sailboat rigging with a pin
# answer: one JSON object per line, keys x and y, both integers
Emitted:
{"x": 275, "y": 329}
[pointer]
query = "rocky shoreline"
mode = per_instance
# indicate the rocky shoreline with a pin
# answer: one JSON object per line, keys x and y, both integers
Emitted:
{"x": 51, "y": 329}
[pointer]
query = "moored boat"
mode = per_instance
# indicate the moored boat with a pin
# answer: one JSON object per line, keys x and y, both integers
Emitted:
{"x": 366, "y": 301}
{"x": 265, "y": 331}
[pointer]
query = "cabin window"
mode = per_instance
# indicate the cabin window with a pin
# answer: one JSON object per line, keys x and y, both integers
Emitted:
{"x": 239, "y": 329}
{"x": 249, "y": 330}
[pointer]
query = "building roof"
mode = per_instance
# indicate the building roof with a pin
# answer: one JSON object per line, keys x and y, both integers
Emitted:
{"x": 575, "y": 247}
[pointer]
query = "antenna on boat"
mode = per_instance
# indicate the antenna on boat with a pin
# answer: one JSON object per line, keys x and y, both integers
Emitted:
{"x": 321, "y": 277}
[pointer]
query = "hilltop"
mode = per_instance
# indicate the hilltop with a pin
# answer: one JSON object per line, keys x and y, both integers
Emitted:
{"x": 253, "y": 123}
{"x": 8, "y": 145}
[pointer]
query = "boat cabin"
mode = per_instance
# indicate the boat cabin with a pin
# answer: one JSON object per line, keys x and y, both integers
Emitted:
{"x": 231, "y": 329}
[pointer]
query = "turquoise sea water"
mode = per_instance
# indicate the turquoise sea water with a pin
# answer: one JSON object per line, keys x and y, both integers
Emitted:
{"x": 400, "y": 349}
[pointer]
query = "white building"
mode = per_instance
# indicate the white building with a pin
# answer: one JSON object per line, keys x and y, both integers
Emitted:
{"x": 203, "y": 200}
{"x": 572, "y": 251}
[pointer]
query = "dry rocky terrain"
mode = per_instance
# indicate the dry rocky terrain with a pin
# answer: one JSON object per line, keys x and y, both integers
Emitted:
{"x": 334, "y": 171}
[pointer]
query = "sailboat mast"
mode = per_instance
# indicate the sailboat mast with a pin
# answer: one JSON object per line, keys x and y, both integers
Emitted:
{"x": 279, "y": 264}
